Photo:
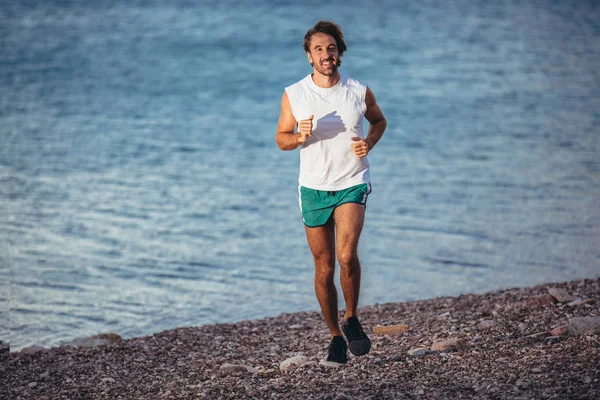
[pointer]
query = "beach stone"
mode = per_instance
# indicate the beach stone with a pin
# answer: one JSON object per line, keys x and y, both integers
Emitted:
{"x": 561, "y": 295}
{"x": 444, "y": 316}
{"x": 267, "y": 371}
{"x": 293, "y": 361}
{"x": 560, "y": 330}
{"x": 309, "y": 364}
{"x": 330, "y": 364}
{"x": 584, "y": 325}
{"x": 418, "y": 352}
{"x": 390, "y": 330}
{"x": 86, "y": 343}
{"x": 4, "y": 347}
{"x": 534, "y": 337}
{"x": 541, "y": 301}
{"x": 576, "y": 302}
{"x": 102, "y": 339}
{"x": 32, "y": 349}
{"x": 486, "y": 324}
{"x": 109, "y": 336}
{"x": 446, "y": 345}
{"x": 228, "y": 369}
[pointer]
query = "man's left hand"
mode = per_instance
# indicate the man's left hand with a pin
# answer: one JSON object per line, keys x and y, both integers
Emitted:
{"x": 360, "y": 147}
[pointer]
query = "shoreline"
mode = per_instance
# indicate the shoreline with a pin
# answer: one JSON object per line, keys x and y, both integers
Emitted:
{"x": 513, "y": 343}
{"x": 106, "y": 337}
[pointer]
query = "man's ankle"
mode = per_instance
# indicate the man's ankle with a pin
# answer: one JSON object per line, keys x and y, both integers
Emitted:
{"x": 348, "y": 316}
{"x": 337, "y": 333}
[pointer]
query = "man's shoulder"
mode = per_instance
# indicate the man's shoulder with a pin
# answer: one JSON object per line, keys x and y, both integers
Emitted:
{"x": 300, "y": 83}
{"x": 350, "y": 81}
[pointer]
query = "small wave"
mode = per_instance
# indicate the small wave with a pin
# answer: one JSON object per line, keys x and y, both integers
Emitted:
{"x": 47, "y": 285}
{"x": 186, "y": 149}
{"x": 444, "y": 261}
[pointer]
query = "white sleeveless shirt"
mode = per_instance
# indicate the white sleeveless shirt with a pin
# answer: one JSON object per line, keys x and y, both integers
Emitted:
{"x": 327, "y": 161}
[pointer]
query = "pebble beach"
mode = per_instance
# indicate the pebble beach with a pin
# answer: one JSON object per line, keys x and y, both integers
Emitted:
{"x": 541, "y": 342}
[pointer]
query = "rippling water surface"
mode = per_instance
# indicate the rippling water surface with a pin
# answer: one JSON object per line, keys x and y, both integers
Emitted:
{"x": 141, "y": 189}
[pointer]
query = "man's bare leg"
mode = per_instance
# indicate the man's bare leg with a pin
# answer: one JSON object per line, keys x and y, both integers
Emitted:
{"x": 349, "y": 220}
{"x": 321, "y": 241}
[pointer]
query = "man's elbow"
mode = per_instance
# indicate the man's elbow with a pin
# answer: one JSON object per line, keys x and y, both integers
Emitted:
{"x": 381, "y": 123}
{"x": 280, "y": 142}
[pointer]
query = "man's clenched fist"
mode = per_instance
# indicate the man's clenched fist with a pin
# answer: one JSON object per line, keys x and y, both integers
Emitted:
{"x": 305, "y": 129}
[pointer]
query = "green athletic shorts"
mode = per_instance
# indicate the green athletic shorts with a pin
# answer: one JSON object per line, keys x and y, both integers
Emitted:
{"x": 317, "y": 205}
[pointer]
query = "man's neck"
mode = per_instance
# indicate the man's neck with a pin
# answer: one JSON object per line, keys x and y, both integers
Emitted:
{"x": 326, "y": 81}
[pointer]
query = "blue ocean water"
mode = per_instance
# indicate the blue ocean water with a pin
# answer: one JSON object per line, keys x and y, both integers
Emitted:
{"x": 141, "y": 188}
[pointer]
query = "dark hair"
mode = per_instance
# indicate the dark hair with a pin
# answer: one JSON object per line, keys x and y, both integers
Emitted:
{"x": 329, "y": 28}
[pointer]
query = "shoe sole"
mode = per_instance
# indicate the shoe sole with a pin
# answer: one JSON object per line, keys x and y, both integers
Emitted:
{"x": 360, "y": 347}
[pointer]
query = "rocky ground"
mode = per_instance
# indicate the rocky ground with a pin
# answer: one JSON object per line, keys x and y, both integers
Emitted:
{"x": 534, "y": 343}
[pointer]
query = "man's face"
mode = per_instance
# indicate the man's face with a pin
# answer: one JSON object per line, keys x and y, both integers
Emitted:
{"x": 323, "y": 54}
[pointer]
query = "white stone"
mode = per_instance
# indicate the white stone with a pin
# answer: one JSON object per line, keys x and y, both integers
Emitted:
{"x": 576, "y": 302}
{"x": 296, "y": 360}
{"x": 309, "y": 364}
{"x": 418, "y": 352}
{"x": 330, "y": 364}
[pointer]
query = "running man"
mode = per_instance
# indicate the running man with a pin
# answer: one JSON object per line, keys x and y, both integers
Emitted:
{"x": 328, "y": 108}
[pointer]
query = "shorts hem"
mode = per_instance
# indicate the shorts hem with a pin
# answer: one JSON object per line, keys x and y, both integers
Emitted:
{"x": 333, "y": 210}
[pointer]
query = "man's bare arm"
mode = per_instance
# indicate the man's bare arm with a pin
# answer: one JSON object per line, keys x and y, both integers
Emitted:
{"x": 285, "y": 137}
{"x": 376, "y": 120}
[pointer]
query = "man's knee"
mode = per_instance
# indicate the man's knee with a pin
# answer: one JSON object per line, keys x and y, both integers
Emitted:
{"x": 348, "y": 259}
{"x": 324, "y": 259}
{"x": 324, "y": 276}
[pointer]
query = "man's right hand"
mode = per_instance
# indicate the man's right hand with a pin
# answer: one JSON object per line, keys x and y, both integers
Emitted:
{"x": 305, "y": 129}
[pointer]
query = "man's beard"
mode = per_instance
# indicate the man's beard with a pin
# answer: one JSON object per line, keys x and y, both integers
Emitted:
{"x": 327, "y": 72}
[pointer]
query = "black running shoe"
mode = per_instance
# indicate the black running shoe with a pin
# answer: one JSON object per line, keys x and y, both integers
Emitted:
{"x": 358, "y": 342}
{"x": 337, "y": 350}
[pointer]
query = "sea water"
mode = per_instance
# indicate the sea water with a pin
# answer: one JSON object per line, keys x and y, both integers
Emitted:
{"x": 141, "y": 188}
